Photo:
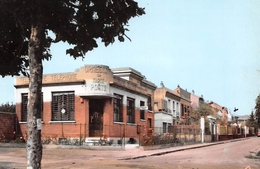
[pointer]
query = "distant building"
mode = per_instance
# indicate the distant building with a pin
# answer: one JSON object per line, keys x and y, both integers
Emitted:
{"x": 196, "y": 101}
{"x": 166, "y": 109}
{"x": 220, "y": 112}
{"x": 93, "y": 101}
{"x": 185, "y": 103}
{"x": 241, "y": 121}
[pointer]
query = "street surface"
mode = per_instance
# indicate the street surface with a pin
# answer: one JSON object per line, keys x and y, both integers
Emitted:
{"x": 228, "y": 155}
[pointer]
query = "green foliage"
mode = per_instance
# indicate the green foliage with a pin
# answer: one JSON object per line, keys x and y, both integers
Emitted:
{"x": 203, "y": 110}
{"x": 194, "y": 117}
{"x": 251, "y": 122}
{"x": 13, "y": 46}
{"x": 7, "y": 107}
{"x": 78, "y": 22}
{"x": 257, "y": 109}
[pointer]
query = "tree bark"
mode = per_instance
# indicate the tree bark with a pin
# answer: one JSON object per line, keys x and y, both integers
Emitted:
{"x": 34, "y": 146}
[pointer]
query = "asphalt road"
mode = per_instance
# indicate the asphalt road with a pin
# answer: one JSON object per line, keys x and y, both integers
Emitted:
{"x": 228, "y": 155}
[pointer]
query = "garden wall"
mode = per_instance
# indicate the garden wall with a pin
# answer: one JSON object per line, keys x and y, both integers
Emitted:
{"x": 8, "y": 126}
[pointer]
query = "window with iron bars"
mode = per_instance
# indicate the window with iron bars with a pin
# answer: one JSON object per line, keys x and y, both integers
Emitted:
{"x": 130, "y": 110}
{"x": 63, "y": 106}
{"x": 24, "y": 107}
{"x": 118, "y": 108}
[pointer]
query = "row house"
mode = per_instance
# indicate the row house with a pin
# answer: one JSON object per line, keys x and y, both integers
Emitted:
{"x": 94, "y": 101}
{"x": 185, "y": 103}
{"x": 219, "y": 112}
{"x": 166, "y": 109}
{"x": 196, "y": 100}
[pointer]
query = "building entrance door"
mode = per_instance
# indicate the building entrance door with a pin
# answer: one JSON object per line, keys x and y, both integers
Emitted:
{"x": 96, "y": 108}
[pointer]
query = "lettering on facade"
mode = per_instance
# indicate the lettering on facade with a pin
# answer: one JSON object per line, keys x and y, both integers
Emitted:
{"x": 25, "y": 80}
{"x": 44, "y": 79}
{"x": 96, "y": 69}
{"x": 98, "y": 85}
{"x": 52, "y": 78}
{"x": 99, "y": 81}
{"x": 63, "y": 77}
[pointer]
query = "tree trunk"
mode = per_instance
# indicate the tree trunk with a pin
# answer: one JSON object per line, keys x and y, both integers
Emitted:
{"x": 34, "y": 146}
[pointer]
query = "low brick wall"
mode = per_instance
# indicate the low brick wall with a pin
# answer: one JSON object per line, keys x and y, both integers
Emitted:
{"x": 226, "y": 137}
{"x": 8, "y": 126}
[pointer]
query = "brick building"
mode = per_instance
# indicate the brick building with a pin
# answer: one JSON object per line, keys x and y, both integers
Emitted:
{"x": 93, "y": 101}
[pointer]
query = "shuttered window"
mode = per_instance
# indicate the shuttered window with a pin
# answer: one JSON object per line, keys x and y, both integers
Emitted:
{"x": 24, "y": 107}
{"x": 130, "y": 110}
{"x": 118, "y": 108}
{"x": 63, "y": 106}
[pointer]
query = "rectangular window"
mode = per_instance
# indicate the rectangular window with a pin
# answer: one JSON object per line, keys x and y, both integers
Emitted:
{"x": 142, "y": 111}
{"x": 63, "y": 106}
{"x": 149, "y": 123}
{"x": 173, "y": 106}
{"x": 182, "y": 110}
{"x": 130, "y": 110}
{"x": 165, "y": 107}
{"x": 24, "y": 107}
{"x": 149, "y": 103}
{"x": 164, "y": 127}
{"x": 118, "y": 108}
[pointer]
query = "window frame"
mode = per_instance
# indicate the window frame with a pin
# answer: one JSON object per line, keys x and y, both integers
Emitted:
{"x": 142, "y": 112}
{"x": 173, "y": 106}
{"x": 164, "y": 126}
{"x": 149, "y": 103}
{"x": 63, "y": 106}
{"x": 118, "y": 108}
{"x": 182, "y": 110}
{"x": 130, "y": 110}
{"x": 24, "y": 104}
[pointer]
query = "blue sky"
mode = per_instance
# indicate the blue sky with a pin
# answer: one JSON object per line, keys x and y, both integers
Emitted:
{"x": 211, "y": 47}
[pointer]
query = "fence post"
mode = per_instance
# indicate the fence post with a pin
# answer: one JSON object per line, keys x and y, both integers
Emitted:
{"x": 85, "y": 130}
{"x": 80, "y": 134}
{"x": 62, "y": 134}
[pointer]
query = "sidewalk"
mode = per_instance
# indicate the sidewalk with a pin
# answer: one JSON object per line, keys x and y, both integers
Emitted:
{"x": 130, "y": 151}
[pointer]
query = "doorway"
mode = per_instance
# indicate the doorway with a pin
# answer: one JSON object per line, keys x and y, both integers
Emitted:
{"x": 96, "y": 109}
